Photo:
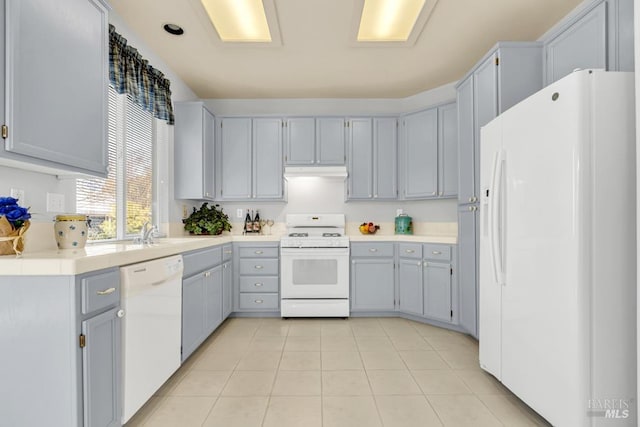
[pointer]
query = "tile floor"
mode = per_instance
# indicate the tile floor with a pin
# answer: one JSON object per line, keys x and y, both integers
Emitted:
{"x": 333, "y": 372}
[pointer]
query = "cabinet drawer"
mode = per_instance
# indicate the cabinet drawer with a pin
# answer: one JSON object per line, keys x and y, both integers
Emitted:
{"x": 258, "y": 284}
{"x": 410, "y": 250}
{"x": 437, "y": 252}
{"x": 258, "y": 252}
{"x": 100, "y": 291}
{"x": 372, "y": 250}
{"x": 256, "y": 301}
{"x": 259, "y": 267}
{"x": 197, "y": 261}
{"x": 227, "y": 252}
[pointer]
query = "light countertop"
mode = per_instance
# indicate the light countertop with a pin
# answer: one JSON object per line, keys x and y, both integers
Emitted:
{"x": 105, "y": 255}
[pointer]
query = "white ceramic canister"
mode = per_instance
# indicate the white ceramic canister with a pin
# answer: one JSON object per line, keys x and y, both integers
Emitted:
{"x": 71, "y": 231}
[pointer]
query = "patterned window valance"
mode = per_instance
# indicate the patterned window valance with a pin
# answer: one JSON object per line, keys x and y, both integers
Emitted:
{"x": 131, "y": 74}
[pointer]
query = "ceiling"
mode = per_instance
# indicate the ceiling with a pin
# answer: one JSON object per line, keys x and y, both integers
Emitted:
{"x": 317, "y": 58}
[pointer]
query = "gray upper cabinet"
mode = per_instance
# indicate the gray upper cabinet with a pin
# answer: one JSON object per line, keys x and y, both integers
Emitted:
{"x": 45, "y": 126}
{"x": 447, "y": 150}
{"x": 194, "y": 152}
{"x": 419, "y": 162}
{"x": 360, "y": 146}
{"x": 235, "y": 159}
{"x": 506, "y": 75}
{"x": 267, "y": 158}
{"x": 372, "y": 148}
{"x": 301, "y": 141}
{"x": 330, "y": 141}
{"x": 385, "y": 148}
{"x": 600, "y": 36}
{"x": 250, "y": 159}
{"x": 466, "y": 138}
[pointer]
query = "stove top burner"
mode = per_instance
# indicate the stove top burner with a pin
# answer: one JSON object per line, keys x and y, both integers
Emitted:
{"x": 298, "y": 234}
{"x": 331, "y": 235}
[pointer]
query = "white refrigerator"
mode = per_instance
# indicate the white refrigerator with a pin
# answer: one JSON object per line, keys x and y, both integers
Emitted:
{"x": 557, "y": 310}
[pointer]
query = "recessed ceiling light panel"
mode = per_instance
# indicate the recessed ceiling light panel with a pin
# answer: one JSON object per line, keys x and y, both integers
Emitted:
{"x": 239, "y": 20}
{"x": 388, "y": 20}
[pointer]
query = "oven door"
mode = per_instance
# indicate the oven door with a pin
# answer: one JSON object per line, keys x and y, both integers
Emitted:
{"x": 314, "y": 272}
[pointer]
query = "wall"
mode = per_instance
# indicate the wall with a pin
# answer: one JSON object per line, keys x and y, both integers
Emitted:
{"x": 324, "y": 195}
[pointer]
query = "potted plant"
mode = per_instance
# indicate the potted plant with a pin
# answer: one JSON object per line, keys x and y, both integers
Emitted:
{"x": 207, "y": 220}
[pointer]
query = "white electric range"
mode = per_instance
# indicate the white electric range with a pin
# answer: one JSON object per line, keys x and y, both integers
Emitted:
{"x": 314, "y": 266}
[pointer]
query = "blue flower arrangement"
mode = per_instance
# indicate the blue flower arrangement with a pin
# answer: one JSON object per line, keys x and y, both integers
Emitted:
{"x": 14, "y": 222}
{"x": 14, "y": 213}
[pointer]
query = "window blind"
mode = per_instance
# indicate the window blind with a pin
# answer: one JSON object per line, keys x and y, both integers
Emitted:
{"x": 119, "y": 205}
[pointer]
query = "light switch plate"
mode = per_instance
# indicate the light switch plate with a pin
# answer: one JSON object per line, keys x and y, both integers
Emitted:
{"x": 239, "y": 213}
{"x": 55, "y": 202}
{"x": 18, "y": 193}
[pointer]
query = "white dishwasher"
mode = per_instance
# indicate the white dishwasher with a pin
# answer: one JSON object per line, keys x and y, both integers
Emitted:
{"x": 151, "y": 330}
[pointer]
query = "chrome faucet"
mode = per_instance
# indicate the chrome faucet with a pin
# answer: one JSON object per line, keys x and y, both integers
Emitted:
{"x": 146, "y": 233}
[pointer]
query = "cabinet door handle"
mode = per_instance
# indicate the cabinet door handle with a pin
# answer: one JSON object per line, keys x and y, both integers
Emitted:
{"x": 120, "y": 313}
{"x": 257, "y": 267}
{"x": 257, "y": 285}
{"x": 258, "y": 252}
{"x": 425, "y": 264}
{"x": 373, "y": 250}
{"x": 207, "y": 274}
{"x": 106, "y": 291}
{"x": 471, "y": 199}
{"x": 228, "y": 252}
{"x": 258, "y": 301}
{"x": 419, "y": 263}
{"x": 409, "y": 251}
{"x": 433, "y": 194}
{"x": 436, "y": 252}
{"x": 441, "y": 193}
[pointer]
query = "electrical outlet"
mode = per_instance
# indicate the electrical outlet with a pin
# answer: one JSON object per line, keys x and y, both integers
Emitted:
{"x": 399, "y": 212}
{"x": 17, "y": 193}
{"x": 239, "y": 213}
{"x": 55, "y": 202}
{"x": 185, "y": 212}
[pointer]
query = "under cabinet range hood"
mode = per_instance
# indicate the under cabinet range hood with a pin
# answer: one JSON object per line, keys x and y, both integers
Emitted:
{"x": 338, "y": 172}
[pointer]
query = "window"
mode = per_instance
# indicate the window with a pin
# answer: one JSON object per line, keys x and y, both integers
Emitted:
{"x": 120, "y": 204}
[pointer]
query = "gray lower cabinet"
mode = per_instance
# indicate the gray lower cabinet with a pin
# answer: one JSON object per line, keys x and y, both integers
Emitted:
{"x": 372, "y": 152}
{"x": 61, "y": 354}
{"x": 42, "y": 124}
{"x": 427, "y": 284}
{"x": 227, "y": 280}
{"x": 194, "y": 152}
{"x": 410, "y": 290}
{"x": 101, "y": 369}
{"x": 250, "y": 159}
{"x": 372, "y": 277}
{"x": 438, "y": 282}
{"x": 468, "y": 268}
{"x": 600, "y": 36}
{"x": 257, "y": 277}
{"x": 202, "y": 297}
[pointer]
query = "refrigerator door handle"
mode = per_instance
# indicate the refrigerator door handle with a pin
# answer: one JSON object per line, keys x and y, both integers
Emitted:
{"x": 495, "y": 217}
{"x": 498, "y": 219}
